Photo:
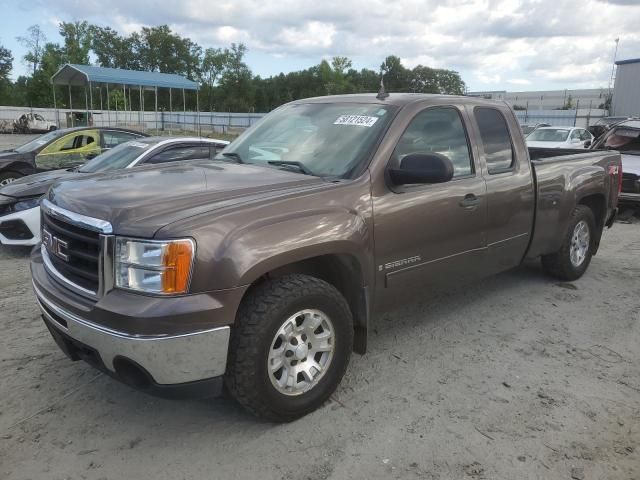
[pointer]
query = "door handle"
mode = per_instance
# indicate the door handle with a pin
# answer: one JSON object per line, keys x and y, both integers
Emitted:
{"x": 469, "y": 201}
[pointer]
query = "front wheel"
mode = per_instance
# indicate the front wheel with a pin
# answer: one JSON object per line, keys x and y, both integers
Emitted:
{"x": 573, "y": 258}
{"x": 8, "y": 177}
{"x": 289, "y": 348}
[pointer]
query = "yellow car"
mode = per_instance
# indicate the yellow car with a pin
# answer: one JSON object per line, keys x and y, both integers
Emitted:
{"x": 66, "y": 148}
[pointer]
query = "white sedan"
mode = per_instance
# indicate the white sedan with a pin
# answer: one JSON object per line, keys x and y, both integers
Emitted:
{"x": 20, "y": 199}
{"x": 559, "y": 137}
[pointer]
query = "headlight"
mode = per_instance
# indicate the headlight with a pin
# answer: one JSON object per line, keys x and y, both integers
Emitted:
{"x": 26, "y": 204}
{"x": 160, "y": 267}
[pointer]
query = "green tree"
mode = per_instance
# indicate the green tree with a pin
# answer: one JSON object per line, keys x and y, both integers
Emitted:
{"x": 396, "y": 76}
{"x": 214, "y": 61}
{"x": 237, "y": 81}
{"x": 6, "y": 63}
{"x": 158, "y": 49}
{"x": 34, "y": 42}
{"x": 77, "y": 41}
{"x": 38, "y": 86}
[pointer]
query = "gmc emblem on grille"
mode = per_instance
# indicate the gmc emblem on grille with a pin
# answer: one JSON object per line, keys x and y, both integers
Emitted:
{"x": 56, "y": 246}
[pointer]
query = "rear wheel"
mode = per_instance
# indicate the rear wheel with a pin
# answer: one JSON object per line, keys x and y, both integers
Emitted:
{"x": 8, "y": 177}
{"x": 573, "y": 258}
{"x": 289, "y": 348}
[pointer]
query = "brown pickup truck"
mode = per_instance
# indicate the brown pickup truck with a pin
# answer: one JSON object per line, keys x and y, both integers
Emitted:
{"x": 262, "y": 268}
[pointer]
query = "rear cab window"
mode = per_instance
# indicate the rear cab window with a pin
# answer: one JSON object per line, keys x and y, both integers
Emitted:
{"x": 495, "y": 140}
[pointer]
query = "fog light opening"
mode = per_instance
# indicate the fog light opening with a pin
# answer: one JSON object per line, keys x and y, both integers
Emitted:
{"x": 131, "y": 373}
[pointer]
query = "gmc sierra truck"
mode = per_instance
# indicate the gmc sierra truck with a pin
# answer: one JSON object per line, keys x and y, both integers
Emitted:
{"x": 260, "y": 270}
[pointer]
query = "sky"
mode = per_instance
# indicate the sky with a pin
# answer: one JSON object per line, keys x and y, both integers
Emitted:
{"x": 514, "y": 45}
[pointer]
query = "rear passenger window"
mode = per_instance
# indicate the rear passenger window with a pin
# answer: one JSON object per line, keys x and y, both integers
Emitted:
{"x": 437, "y": 130}
{"x": 496, "y": 140}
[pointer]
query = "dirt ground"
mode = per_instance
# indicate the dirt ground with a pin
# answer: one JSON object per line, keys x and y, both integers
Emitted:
{"x": 518, "y": 377}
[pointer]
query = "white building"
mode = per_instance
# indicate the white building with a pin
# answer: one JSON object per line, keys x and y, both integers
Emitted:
{"x": 626, "y": 94}
{"x": 588, "y": 98}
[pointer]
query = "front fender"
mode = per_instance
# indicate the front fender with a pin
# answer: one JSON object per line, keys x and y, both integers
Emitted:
{"x": 259, "y": 247}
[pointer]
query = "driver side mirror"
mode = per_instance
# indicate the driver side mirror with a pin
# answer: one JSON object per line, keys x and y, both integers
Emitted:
{"x": 587, "y": 144}
{"x": 422, "y": 168}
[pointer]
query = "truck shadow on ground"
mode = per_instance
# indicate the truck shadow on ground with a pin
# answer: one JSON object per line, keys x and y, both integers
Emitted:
{"x": 15, "y": 251}
{"x": 217, "y": 414}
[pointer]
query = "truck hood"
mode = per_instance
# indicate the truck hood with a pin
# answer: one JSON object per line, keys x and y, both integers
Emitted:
{"x": 139, "y": 202}
{"x": 36, "y": 185}
{"x": 631, "y": 164}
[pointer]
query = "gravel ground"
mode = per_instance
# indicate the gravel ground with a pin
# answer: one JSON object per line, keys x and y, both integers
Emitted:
{"x": 10, "y": 140}
{"x": 516, "y": 377}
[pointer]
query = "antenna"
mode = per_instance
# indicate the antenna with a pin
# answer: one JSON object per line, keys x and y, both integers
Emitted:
{"x": 382, "y": 93}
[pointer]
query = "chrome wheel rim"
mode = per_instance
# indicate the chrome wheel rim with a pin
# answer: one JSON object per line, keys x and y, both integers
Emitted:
{"x": 6, "y": 181}
{"x": 579, "y": 243}
{"x": 301, "y": 352}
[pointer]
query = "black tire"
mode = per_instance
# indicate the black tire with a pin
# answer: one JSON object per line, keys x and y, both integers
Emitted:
{"x": 8, "y": 177}
{"x": 259, "y": 318}
{"x": 53, "y": 128}
{"x": 559, "y": 264}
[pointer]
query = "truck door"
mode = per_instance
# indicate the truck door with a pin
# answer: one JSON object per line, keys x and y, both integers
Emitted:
{"x": 510, "y": 192}
{"x": 430, "y": 234}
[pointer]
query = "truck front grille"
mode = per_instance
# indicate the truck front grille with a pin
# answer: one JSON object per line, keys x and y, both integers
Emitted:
{"x": 630, "y": 183}
{"x": 73, "y": 251}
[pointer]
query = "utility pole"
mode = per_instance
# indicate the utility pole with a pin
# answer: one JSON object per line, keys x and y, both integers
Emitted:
{"x": 613, "y": 66}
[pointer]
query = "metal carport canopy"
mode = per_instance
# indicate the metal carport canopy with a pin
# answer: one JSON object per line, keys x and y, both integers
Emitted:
{"x": 82, "y": 75}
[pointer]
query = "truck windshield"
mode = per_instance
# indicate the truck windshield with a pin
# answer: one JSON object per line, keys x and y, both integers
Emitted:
{"x": 549, "y": 135}
{"x": 118, "y": 157}
{"x": 323, "y": 139}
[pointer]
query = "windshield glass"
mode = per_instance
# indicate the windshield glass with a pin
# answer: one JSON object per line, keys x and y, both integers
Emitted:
{"x": 38, "y": 142}
{"x": 549, "y": 135}
{"x": 623, "y": 139}
{"x": 324, "y": 139}
{"x": 118, "y": 157}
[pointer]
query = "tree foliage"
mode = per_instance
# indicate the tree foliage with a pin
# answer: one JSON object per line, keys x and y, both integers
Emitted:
{"x": 227, "y": 83}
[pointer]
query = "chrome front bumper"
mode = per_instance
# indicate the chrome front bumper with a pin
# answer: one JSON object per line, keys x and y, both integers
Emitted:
{"x": 169, "y": 360}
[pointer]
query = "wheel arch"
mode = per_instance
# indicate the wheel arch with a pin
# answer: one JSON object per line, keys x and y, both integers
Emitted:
{"x": 597, "y": 203}
{"x": 343, "y": 271}
{"x": 18, "y": 166}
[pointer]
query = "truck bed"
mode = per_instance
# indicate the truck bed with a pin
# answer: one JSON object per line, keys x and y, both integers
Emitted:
{"x": 560, "y": 177}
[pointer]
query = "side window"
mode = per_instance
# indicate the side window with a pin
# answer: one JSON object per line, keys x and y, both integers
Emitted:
{"x": 113, "y": 138}
{"x": 74, "y": 142}
{"x": 437, "y": 130}
{"x": 496, "y": 140}
{"x": 585, "y": 135}
{"x": 68, "y": 151}
{"x": 176, "y": 154}
{"x": 575, "y": 135}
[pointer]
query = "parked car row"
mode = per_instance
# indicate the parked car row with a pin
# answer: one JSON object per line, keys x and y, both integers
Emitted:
{"x": 559, "y": 137}
{"x": 260, "y": 266}
{"x": 609, "y": 133}
{"x": 19, "y": 200}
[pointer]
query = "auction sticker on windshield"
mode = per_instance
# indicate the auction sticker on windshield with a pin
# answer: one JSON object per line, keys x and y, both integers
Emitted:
{"x": 357, "y": 120}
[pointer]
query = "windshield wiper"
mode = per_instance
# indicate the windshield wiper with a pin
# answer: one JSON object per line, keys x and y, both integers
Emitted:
{"x": 298, "y": 165}
{"x": 234, "y": 155}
